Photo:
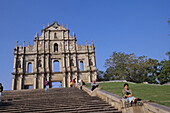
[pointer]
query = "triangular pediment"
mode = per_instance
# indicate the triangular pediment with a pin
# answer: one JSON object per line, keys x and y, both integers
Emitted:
{"x": 54, "y": 26}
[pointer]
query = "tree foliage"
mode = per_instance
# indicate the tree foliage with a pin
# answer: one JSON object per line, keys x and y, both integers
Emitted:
{"x": 136, "y": 69}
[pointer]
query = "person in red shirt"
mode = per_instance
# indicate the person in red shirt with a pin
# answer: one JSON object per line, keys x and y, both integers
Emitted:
{"x": 74, "y": 82}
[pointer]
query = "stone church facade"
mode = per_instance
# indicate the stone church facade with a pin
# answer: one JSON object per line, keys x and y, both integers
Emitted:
{"x": 34, "y": 64}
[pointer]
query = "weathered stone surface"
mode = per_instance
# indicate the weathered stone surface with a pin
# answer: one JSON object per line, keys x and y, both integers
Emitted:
{"x": 54, "y": 100}
{"x": 116, "y": 101}
{"x": 54, "y": 45}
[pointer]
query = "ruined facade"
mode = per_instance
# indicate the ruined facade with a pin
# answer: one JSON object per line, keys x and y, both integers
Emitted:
{"x": 34, "y": 64}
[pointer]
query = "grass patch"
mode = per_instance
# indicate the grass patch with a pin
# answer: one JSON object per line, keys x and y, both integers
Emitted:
{"x": 155, "y": 93}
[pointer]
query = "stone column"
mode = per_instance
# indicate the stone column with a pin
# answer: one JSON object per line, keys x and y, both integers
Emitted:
{"x": 13, "y": 82}
{"x": 94, "y": 59}
{"x": 68, "y": 62}
{"x": 89, "y": 76}
{"x": 43, "y": 63}
{"x": 64, "y": 82}
{"x": 22, "y": 63}
{"x": 47, "y": 63}
{"x": 22, "y": 58}
{"x": 48, "y": 79}
{"x": 20, "y": 82}
{"x": 75, "y": 63}
{"x": 35, "y": 82}
{"x": 87, "y": 62}
{"x": 68, "y": 80}
{"x": 62, "y": 35}
{"x": 15, "y": 61}
{"x": 95, "y": 76}
{"x": 42, "y": 81}
{"x": 35, "y": 64}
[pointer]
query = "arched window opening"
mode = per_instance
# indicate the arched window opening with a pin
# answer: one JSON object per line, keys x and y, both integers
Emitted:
{"x": 81, "y": 66}
{"x": 55, "y": 35}
{"x": 55, "y": 47}
{"x": 56, "y": 66}
{"x": 29, "y": 68}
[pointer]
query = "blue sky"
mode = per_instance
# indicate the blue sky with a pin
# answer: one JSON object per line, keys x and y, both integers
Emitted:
{"x": 130, "y": 26}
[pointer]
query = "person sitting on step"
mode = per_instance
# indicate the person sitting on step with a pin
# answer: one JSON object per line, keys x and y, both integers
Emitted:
{"x": 71, "y": 84}
{"x": 127, "y": 94}
{"x": 81, "y": 84}
{"x": 74, "y": 82}
{"x": 94, "y": 85}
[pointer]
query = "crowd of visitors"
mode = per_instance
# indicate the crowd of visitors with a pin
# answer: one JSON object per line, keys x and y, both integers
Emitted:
{"x": 127, "y": 93}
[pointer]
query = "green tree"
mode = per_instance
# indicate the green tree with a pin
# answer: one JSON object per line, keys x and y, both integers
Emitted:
{"x": 164, "y": 76}
{"x": 132, "y": 68}
{"x": 152, "y": 67}
{"x": 100, "y": 75}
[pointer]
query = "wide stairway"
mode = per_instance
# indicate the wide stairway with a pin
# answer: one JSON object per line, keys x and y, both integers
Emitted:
{"x": 66, "y": 100}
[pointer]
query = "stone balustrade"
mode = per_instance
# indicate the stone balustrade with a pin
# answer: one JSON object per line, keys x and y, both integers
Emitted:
{"x": 117, "y": 102}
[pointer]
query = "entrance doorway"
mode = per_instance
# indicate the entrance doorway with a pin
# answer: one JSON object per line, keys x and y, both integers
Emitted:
{"x": 56, "y": 84}
{"x": 28, "y": 87}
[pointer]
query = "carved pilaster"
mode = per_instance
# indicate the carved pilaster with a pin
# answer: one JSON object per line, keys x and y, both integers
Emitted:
{"x": 35, "y": 82}
{"x": 42, "y": 81}
{"x": 89, "y": 76}
{"x": 13, "y": 83}
{"x": 64, "y": 82}
{"x": 15, "y": 64}
{"x": 20, "y": 82}
{"x": 68, "y": 80}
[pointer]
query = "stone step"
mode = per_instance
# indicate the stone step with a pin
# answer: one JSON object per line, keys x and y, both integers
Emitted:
{"x": 59, "y": 109}
{"x": 53, "y": 100}
{"x": 60, "y": 106}
{"x": 55, "y": 108}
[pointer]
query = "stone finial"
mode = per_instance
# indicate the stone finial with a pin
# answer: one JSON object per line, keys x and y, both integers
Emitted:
{"x": 23, "y": 44}
{"x": 48, "y": 24}
{"x": 36, "y": 35}
{"x": 76, "y": 45}
{"x": 92, "y": 42}
{"x": 81, "y": 44}
{"x": 86, "y": 42}
{"x": 43, "y": 26}
{"x": 73, "y": 34}
{"x": 55, "y": 21}
{"x": 16, "y": 45}
{"x": 28, "y": 44}
{"x": 20, "y": 45}
{"x": 62, "y": 24}
{"x": 66, "y": 26}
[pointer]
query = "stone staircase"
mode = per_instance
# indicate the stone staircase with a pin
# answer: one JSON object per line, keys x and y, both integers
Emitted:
{"x": 66, "y": 100}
